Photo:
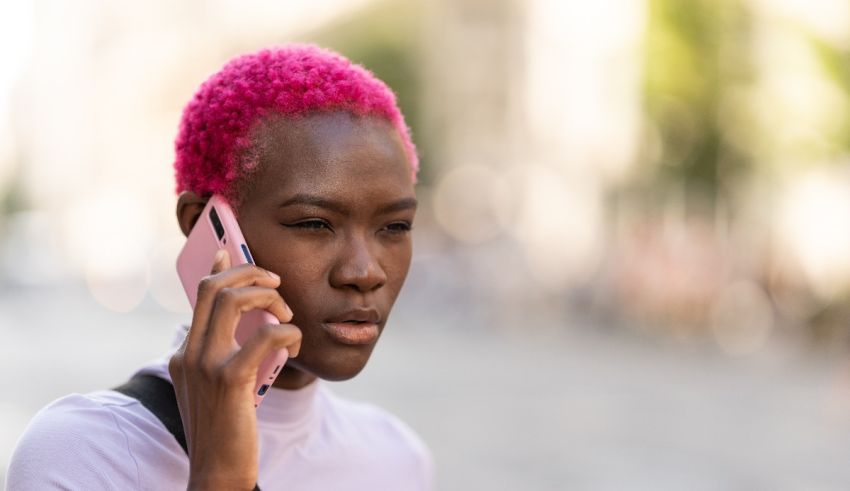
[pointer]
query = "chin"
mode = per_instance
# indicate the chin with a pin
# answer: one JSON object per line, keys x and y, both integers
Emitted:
{"x": 334, "y": 365}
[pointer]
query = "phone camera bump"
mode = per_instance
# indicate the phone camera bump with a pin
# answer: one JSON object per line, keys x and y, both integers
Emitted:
{"x": 216, "y": 222}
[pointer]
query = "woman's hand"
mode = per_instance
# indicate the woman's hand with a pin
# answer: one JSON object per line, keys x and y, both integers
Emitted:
{"x": 214, "y": 378}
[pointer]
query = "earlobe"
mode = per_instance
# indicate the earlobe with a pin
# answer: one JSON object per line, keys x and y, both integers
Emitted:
{"x": 189, "y": 208}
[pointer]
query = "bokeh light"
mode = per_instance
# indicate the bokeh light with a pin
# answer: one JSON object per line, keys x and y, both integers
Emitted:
{"x": 814, "y": 225}
{"x": 165, "y": 287}
{"x": 742, "y": 318}
{"x": 108, "y": 236}
{"x": 467, "y": 201}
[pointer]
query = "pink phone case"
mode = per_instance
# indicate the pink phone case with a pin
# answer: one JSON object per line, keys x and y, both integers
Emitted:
{"x": 216, "y": 229}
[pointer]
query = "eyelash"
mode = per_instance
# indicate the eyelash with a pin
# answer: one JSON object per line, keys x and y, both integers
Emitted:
{"x": 399, "y": 228}
{"x": 310, "y": 225}
{"x": 315, "y": 225}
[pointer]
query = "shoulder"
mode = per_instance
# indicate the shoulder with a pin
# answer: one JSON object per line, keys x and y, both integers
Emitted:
{"x": 382, "y": 432}
{"x": 66, "y": 444}
{"x": 82, "y": 441}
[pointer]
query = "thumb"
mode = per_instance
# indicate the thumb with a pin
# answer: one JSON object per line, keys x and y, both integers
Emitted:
{"x": 221, "y": 261}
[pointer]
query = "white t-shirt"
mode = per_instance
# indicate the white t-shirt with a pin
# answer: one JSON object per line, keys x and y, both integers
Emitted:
{"x": 309, "y": 439}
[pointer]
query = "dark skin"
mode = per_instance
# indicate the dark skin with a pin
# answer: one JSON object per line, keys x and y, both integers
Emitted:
{"x": 327, "y": 216}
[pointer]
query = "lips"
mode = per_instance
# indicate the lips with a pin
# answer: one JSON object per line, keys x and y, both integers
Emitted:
{"x": 354, "y": 327}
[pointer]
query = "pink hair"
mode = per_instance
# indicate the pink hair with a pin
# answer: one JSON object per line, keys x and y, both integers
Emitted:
{"x": 290, "y": 80}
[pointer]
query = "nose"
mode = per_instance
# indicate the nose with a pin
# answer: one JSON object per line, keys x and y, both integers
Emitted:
{"x": 357, "y": 267}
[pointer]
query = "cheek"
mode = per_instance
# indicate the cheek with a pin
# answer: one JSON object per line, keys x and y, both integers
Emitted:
{"x": 397, "y": 265}
{"x": 305, "y": 268}
{"x": 303, "y": 276}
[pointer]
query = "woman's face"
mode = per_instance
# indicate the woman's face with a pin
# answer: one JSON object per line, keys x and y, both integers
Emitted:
{"x": 329, "y": 209}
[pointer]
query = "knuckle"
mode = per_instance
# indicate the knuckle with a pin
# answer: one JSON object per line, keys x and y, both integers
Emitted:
{"x": 175, "y": 364}
{"x": 293, "y": 333}
{"x": 208, "y": 370}
{"x": 289, "y": 336}
{"x": 207, "y": 285}
{"x": 248, "y": 269}
{"x": 226, "y": 296}
{"x": 189, "y": 355}
{"x": 267, "y": 331}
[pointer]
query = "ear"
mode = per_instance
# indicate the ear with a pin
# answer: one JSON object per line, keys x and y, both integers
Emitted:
{"x": 189, "y": 208}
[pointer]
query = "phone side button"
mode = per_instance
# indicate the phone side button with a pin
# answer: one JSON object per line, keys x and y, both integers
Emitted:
{"x": 247, "y": 254}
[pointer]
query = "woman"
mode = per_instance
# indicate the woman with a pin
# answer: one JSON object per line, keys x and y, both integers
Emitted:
{"x": 315, "y": 158}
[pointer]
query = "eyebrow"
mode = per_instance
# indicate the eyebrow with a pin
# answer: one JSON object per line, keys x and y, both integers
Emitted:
{"x": 313, "y": 200}
{"x": 400, "y": 205}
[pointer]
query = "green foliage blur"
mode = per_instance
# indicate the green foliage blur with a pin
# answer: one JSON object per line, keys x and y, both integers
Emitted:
{"x": 701, "y": 88}
{"x": 695, "y": 51}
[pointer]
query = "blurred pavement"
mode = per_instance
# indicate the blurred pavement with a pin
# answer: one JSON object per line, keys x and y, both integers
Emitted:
{"x": 542, "y": 406}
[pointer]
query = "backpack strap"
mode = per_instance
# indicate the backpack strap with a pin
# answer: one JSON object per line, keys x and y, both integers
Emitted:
{"x": 157, "y": 396}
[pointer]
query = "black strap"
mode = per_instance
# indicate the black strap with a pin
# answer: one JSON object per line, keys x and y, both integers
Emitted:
{"x": 157, "y": 395}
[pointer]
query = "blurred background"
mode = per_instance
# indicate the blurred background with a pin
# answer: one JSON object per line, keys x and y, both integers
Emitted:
{"x": 632, "y": 257}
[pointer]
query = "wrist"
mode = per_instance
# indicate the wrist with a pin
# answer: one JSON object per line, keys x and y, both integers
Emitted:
{"x": 206, "y": 482}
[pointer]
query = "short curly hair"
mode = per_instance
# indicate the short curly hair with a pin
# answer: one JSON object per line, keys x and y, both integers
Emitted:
{"x": 213, "y": 143}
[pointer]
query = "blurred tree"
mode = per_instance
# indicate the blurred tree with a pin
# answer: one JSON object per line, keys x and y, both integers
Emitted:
{"x": 12, "y": 195}
{"x": 695, "y": 52}
{"x": 835, "y": 62}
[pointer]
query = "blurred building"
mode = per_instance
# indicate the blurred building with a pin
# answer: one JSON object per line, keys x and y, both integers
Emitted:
{"x": 636, "y": 161}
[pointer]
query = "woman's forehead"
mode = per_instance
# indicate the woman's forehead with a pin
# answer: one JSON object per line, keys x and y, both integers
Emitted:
{"x": 330, "y": 153}
{"x": 319, "y": 133}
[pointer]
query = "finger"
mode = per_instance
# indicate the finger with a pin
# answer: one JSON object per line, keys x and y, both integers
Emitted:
{"x": 209, "y": 287}
{"x": 230, "y": 304}
{"x": 221, "y": 261}
{"x": 267, "y": 339}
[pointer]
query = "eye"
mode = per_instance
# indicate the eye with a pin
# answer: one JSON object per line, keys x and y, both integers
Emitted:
{"x": 398, "y": 228}
{"x": 312, "y": 224}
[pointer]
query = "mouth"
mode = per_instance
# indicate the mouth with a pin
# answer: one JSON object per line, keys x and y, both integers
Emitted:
{"x": 355, "y": 327}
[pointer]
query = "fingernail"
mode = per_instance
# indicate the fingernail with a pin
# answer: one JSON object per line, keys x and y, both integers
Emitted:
{"x": 219, "y": 255}
{"x": 273, "y": 275}
{"x": 291, "y": 314}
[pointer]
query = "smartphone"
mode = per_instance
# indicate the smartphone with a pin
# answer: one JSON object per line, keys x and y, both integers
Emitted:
{"x": 216, "y": 229}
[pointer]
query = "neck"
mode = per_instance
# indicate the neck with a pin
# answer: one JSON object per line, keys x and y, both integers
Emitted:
{"x": 293, "y": 379}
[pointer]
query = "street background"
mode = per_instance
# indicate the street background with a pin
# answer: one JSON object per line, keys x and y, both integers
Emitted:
{"x": 632, "y": 255}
